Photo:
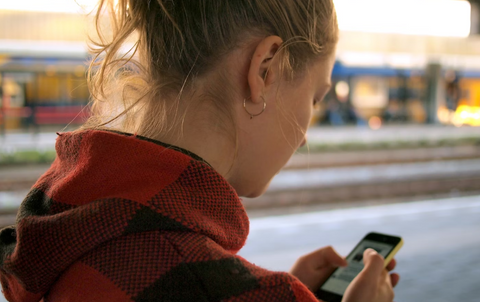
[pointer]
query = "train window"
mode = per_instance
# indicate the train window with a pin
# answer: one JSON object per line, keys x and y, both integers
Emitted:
{"x": 77, "y": 89}
{"x": 370, "y": 92}
{"x": 48, "y": 88}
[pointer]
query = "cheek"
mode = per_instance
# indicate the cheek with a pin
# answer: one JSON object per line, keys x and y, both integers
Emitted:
{"x": 303, "y": 113}
{"x": 298, "y": 113}
{"x": 306, "y": 116}
{"x": 302, "y": 105}
{"x": 303, "y": 118}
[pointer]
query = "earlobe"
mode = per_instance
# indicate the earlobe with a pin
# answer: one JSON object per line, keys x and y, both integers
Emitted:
{"x": 261, "y": 73}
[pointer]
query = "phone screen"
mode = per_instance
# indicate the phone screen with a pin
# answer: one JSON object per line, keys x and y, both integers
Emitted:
{"x": 341, "y": 278}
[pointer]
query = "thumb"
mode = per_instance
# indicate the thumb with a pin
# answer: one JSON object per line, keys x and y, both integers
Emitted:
{"x": 374, "y": 263}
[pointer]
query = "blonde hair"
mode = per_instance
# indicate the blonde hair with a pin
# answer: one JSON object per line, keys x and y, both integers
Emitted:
{"x": 179, "y": 41}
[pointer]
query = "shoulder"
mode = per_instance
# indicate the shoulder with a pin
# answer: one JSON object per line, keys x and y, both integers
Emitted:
{"x": 270, "y": 286}
{"x": 225, "y": 276}
{"x": 173, "y": 266}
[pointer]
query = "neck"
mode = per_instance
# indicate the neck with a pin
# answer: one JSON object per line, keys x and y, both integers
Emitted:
{"x": 196, "y": 133}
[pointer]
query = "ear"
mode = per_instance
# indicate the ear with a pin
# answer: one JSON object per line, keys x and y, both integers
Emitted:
{"x": 261, "y": 72}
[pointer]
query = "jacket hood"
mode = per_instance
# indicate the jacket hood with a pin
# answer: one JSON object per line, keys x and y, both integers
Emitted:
{"x": 104, "y": 185}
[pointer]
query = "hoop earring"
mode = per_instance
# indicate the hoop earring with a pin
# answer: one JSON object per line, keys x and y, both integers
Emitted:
{"x": 251, "y": 114}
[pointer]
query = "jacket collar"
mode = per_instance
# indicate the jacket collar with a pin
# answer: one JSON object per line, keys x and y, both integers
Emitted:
{"x": 104, "y": 185}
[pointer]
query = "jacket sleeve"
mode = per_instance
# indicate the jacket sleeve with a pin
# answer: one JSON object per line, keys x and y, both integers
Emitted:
{"x": 293, "y": 291}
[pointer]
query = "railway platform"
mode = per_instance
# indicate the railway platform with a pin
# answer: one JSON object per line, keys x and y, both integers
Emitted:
{"x": 18, "y": 140}
{"x": 390, "y": 133}
{"x": 325, "y": 177}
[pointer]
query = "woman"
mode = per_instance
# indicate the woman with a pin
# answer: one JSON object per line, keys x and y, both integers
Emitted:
{"x": 142, "y": 203}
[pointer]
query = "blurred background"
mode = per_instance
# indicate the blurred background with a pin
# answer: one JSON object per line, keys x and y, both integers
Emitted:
{"x": 394, "y": 147}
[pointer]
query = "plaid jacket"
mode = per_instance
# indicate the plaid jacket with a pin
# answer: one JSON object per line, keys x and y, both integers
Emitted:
{"x": 123, "y": 218}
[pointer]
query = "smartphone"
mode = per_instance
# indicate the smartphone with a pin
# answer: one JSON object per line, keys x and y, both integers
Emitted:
{"x": 334, "y": 288}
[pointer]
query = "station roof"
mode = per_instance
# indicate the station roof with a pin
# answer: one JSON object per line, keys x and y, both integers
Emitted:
{"x": 63, "y": 35}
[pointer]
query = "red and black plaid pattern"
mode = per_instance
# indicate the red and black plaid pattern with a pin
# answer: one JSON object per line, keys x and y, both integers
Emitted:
{"x": 124, "y": 218}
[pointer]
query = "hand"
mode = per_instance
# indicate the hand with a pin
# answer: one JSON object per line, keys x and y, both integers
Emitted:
{"x": 373, "y": 283}
{"x": 314, "y": 269}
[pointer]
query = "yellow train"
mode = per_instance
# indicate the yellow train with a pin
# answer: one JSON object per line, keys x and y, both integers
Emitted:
{"x": 375, "y": 96}
{"x": 50, "y": 89}
{"x": 468, "y": 110}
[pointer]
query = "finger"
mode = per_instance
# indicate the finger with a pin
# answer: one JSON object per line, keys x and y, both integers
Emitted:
{"x": 374, "y": 263}
{"x": 391, "y": 265}
{"x": 395, "y": 278}
{"x": 332, "y": 258}
{"x": 326, "y": 256}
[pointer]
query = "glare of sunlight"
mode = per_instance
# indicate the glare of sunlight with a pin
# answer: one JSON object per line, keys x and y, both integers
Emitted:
{"x": 467, "y": 115}
{"x": 415, "y": 17}
{"x": 56, "y": 6}
{"x": 450, "y": 18}
{"x": 375, "y": 123}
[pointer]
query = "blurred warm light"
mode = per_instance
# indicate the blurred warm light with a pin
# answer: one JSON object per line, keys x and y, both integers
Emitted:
{"x": 56, "y": 6}
{"x": 79, "y": 71}
{"x": 467, "y": 115}
{"x": 375, "y": 123}
{"x": 444, "y": 115}
{"x": 342, "y": 89}
{"x": 50, "y": 70}
{"x": 449, "y": 18}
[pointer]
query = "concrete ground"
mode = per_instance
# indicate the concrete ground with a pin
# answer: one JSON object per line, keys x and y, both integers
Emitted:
{"x": 439, "y": 261}
{"x": 404, "y": 133}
